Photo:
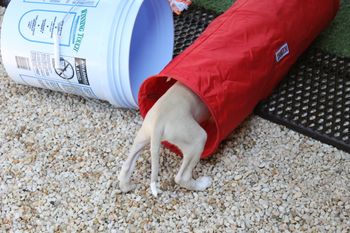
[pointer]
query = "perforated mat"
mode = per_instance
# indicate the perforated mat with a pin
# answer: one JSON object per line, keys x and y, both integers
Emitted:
{"x": 189, "y": 25}
{"x": 314, "y": 98}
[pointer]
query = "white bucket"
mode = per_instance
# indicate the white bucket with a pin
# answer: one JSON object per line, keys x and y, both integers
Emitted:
{"x": 106, "y": 47}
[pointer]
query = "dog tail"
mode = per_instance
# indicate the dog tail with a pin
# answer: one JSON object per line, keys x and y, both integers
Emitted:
{"x": 155, "y": 148}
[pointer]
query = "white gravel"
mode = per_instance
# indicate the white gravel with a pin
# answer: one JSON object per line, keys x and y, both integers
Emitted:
{"x": 60, "y": 156}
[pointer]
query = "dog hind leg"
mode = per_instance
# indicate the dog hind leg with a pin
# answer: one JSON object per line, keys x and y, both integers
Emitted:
{"x": 192, "y": 149}
{"x": 141, "y": 140}
{"x": 155, "y": 147}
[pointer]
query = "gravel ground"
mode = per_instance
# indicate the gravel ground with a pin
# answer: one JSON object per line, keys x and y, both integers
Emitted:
{"x": 60, "y": 155}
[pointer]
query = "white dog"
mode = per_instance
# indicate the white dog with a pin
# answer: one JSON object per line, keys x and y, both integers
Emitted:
{"x": 175, "y": 118}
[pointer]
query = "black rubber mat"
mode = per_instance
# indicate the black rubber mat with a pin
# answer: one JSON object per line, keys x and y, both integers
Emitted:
{"x": 314, "y": 98}
{"x": 189, "y": 25}
{"x": 4, "y": 3}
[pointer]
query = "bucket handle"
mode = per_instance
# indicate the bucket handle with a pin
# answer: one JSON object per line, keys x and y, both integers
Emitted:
{"x": 57, "y": 40}
{"x": 57, "y": 55}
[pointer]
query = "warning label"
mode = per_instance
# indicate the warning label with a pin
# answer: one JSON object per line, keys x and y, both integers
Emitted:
{"x": 41, "y": 64}
{"x": 73, "y": 69}
{"x": 66, "y": 71}
{"x": 81, "y": 71}
{"x": 39, "y": 70}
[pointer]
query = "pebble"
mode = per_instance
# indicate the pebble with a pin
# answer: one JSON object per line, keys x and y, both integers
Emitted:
{"x": 238, "y": 177}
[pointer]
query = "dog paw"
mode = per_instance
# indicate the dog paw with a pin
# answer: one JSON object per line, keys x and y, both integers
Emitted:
{"x": 203, "y": 183}
{"x": 154, "y": 189}
{"x": 126, "y": 187}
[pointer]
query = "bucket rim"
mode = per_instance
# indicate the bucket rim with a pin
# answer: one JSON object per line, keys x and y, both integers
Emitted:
{"x": 114, "y": 55}
{"x": 120, "y": 48}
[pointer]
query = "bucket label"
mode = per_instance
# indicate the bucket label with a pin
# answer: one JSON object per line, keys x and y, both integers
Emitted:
{"x": 39, "y": 26}
{"x": 86, "y": 3}
{"x": 39, "y": 70}
{"x": 74, "y": 69}
{"x": 58, "y": 86}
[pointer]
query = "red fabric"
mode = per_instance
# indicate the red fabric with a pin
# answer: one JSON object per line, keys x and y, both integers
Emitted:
{"x": 232, "y": 65}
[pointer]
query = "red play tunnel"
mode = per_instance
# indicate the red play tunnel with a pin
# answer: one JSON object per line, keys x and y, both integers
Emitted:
{"x": 240, "y": 58}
